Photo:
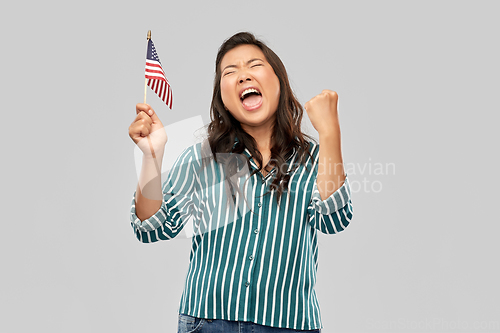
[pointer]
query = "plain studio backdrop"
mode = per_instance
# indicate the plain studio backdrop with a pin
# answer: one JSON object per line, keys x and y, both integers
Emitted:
{"x": 418, "y": 85}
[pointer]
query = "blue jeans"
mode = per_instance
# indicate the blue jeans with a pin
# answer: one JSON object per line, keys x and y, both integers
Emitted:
{"x": 188, "y": 324}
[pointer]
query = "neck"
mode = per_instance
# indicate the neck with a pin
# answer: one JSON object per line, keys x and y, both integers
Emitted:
{"x": 262, "y": 136}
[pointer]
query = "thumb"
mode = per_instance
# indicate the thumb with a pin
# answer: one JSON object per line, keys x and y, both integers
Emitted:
{"x": 153, "y": 116}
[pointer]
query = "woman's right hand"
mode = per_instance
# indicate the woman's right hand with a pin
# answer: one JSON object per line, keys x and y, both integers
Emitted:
{"x": 147, "y": 123}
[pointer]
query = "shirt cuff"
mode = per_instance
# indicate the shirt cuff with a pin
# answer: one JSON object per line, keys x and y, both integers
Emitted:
{"x": 154, "y": 222}
{"x": 334, "y": 202}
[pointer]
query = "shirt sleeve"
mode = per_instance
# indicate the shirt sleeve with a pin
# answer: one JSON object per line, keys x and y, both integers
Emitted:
{"x": 179, "y": 195}
{"x": 333, "y": 214}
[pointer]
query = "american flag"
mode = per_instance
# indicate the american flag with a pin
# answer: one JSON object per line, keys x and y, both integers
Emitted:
{"x": 156, "y": 76}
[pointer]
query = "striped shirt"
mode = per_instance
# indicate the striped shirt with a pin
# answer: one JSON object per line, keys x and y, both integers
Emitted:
{"x": 251, "y": 259}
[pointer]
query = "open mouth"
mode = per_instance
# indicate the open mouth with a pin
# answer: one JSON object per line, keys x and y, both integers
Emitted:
{"x": 251, "y": 98}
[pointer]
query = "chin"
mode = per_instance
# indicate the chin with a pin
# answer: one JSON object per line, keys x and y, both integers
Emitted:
{"x": 256, "y": 122}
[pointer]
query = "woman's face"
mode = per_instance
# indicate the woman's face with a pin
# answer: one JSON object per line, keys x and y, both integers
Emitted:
{"x": 249, "y": 87}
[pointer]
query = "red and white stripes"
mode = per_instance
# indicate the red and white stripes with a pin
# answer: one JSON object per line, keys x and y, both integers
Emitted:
{"x": 158, "y": 82}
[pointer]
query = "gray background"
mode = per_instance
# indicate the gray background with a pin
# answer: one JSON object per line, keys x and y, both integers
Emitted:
{"x": 418, "y": 89}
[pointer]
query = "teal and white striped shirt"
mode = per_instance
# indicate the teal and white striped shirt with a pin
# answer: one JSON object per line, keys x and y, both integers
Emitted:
{"x": 253, "y": 261}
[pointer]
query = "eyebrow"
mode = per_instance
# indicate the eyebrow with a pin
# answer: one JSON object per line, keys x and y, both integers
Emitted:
{"x": 248, "y": 62}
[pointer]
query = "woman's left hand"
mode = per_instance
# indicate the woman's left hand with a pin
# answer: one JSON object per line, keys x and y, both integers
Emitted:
{"x": 322, "y": 111}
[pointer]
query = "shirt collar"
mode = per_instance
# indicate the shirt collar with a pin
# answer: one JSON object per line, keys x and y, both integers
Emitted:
{"x": 249, "y": 155}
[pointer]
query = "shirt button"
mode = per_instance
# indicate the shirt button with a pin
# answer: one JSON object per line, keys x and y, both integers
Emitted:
{"x": 250, "y": 257}
{"x": 256, "y": 231}
{"x": 247, "y": 284}
{"x": 259, "y": 204}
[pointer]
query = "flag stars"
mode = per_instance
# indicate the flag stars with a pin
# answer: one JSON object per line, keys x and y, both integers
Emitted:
{"x": 154, "y": 54}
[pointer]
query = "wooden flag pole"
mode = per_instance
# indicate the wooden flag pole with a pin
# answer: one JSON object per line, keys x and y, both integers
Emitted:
{"x": 146, "y": 79}
{"x": 149, "y": 138}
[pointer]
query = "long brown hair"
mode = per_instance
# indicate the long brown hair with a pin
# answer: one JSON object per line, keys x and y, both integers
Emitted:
{"x": 287, "y": 134}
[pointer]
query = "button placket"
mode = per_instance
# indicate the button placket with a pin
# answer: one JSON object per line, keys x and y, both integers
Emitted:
{"x": 252, "y": 254}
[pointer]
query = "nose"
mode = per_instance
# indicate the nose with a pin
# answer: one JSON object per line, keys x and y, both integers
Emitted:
{"x": 244, "y": 77}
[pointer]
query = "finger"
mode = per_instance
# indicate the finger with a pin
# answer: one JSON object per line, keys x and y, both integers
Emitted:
{"x": 142, "y": 107}
{"x": 331, "y": 93}
{"x": 138, "y": 130}
{"x": 142, "y": 121}
{"x": 144, "y": 130}
{"x": 143, "y": 117}
{"x": 146, "y": 122}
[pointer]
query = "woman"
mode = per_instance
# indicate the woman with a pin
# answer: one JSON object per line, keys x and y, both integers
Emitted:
{"x": 254, "y": 254}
